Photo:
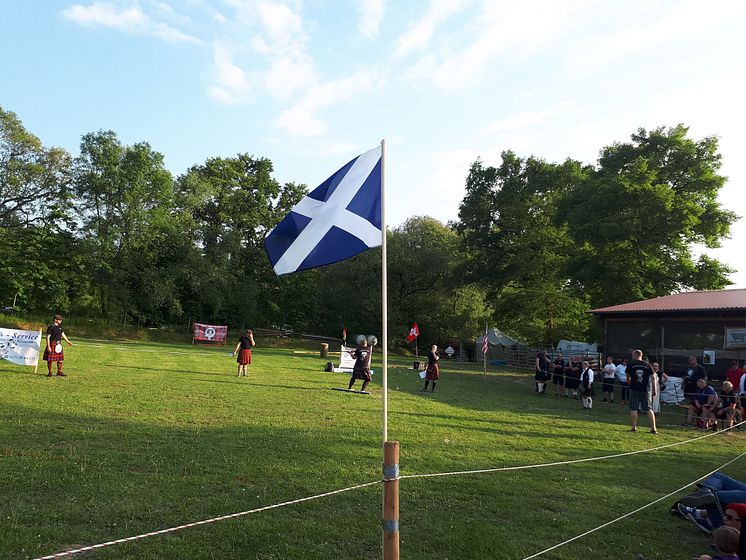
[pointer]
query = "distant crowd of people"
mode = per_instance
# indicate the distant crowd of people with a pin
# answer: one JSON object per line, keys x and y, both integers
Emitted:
{"x": 641, "y": 383}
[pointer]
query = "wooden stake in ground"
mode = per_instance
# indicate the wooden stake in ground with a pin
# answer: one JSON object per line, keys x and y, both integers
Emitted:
{"x": 391, "y": 500}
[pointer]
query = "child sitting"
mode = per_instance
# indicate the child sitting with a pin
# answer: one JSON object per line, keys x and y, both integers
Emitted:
{"x": 726, "y": 541}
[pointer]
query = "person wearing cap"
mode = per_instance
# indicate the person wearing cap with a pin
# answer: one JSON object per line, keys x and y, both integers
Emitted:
{"x": 53, "y": 352}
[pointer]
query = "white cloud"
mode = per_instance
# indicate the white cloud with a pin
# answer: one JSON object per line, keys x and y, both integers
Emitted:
{"x": 512, "y": 30}
{"x": 130, "y": 20}
{"x": 527, "y": 119}
{"x": 419, "y": 34}
{"x": 284, "y": 44}
{"x": 371, "y": 16}
{"x": 231, "y": 81}
{"x": 685, "y": 19}
{"x": 302, "y": 118}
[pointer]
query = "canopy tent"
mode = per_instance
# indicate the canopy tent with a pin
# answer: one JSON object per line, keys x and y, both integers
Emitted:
{"x": 498, "y": 342}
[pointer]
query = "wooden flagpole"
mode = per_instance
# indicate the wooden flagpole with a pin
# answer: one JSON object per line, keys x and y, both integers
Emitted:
{"x": 390, "y": 448}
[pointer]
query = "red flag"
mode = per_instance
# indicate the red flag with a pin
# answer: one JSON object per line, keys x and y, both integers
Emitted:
{"x": 484, "y": 342}
{"x": 414, "y": 332}
{"x": 344, "y": 333}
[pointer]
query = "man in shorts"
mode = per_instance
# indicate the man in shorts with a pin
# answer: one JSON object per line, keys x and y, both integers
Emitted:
{"x": 641, "y": 390}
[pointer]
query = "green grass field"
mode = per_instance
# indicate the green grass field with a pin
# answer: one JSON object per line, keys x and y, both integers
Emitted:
{"x": 142, "y": 437}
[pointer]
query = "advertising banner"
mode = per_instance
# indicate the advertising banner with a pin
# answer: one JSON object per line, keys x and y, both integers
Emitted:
{"x": 210, "y": 333}
{"x": 20, "y": 347}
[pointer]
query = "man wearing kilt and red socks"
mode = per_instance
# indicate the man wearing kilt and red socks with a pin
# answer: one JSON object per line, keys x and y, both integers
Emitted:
{"x": 53, "y": 352}
{"x": 243, "y": 351}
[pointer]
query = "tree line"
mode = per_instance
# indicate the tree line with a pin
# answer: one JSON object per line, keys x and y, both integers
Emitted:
{"x": 112, "y": 234}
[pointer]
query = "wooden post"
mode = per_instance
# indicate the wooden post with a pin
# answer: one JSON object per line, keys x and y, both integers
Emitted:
{"x": 391, "y": 500}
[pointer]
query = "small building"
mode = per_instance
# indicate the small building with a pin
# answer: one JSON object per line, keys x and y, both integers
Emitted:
{"x": 710, "y": 325}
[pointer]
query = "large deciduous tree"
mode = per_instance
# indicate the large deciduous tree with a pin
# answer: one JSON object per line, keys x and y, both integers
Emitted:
{"x": 516, "y": 249}
{"x": 636, "y": 219}
{"x": 234, "y": 202}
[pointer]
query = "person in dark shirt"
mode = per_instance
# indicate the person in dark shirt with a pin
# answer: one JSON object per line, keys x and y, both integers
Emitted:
{"x": 53, "y": 352}
{"x": 727, "y": 405}
{"x": 542, "y": 372}
{"x": 572, "y": 376}
{"x": 432, "y": 373}
{"x": 693, "y": 374}
{"x": 243, "y": 350}
{"x": 559, "y": 374}
{"x": 641, "y": 390}
{"x": 361, "y": 370}
{"x": 703, "y": 405}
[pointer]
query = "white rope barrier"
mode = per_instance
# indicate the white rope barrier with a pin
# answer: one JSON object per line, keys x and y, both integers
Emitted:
{"x": 364, "y": 485}
{"x": 536, "y": 555}
{"x": 569, "y": 461}
{"x": 203, "y": 522}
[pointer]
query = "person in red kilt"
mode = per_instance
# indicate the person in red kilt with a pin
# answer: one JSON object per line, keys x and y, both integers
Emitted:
{"x": 243, "y": 351}
{"x": 432, "y": 374}
{"x": 53, "y": 352}
{"x": 361, "y": 370}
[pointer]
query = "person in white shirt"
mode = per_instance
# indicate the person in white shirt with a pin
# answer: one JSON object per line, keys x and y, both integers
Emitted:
{"x": 621, "y": 375}
{"x": 658, "y": 379}
{"x": 586, "y": 385}
{"x": 608, "y": 386}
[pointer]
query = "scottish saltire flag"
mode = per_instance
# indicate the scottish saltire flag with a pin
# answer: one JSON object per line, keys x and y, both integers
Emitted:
{"x": 335, "y": 221}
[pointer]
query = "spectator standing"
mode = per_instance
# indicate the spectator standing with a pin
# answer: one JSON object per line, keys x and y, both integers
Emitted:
{"x": 660, "y": 380}
{"x": 641, "y": 390}
{"x": 586, "y": 385}
{"x": 608, "y": 380}
{"x": 559, "y": 374}
{"x": 621, "y": 375}
{"x": 572, "y": 376}
{"x": 693, "y": 374}
{"x": 734, "y": 373}
{"x": 542, "y": 372}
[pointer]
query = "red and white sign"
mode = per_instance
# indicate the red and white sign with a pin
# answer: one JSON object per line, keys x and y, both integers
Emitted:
{"x": 210, "y": 333}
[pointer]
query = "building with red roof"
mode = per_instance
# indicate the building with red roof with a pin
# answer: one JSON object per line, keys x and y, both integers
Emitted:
{"x": 710, "y": 325}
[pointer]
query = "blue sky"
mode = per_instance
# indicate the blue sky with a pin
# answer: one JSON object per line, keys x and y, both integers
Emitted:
{"x": 312, "y": 83}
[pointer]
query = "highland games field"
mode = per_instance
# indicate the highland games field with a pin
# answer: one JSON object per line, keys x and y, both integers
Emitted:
{"x": 142, "y": 437}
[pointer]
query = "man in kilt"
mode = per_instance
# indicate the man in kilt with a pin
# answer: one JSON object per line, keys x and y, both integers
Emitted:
{"x": 243, "y": 351}
{"x": 361, "y": 370}
{"x": 53, "y": 352}
{"x": 432, "y": 374}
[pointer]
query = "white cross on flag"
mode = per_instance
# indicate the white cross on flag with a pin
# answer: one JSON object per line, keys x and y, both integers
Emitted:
{"x": 335, "y": 221}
